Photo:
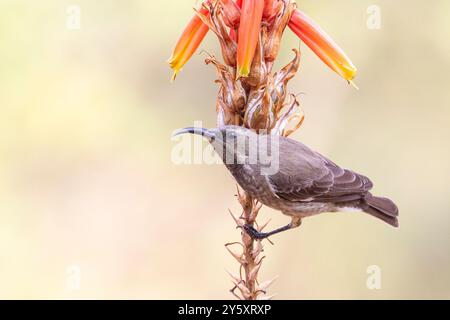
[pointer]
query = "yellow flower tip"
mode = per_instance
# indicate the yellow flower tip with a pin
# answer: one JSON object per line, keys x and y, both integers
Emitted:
{"x": 173, "y": 65}
{"x": 243, "y": 72}
{"x": 172, "y": 60}
{"x": 349, "y": 71}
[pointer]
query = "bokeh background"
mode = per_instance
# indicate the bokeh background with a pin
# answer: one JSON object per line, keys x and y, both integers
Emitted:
{"x": 91, "y": 205}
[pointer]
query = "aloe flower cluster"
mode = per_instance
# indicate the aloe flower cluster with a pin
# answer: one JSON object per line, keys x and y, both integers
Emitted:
{"x": 251, "y": 94}
{"x": 250, "y": 32}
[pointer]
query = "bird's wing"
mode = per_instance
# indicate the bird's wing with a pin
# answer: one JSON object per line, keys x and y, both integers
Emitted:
{"x": 307, "y": 176}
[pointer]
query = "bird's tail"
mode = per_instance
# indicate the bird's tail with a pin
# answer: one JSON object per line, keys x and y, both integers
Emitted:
{"x": 382, "y": 208}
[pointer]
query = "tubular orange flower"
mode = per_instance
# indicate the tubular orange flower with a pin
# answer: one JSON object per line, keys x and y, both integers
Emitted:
{"x": 249, "y": 28}
{"x": 190, "y": 40}
{"x": 322, "y": 45}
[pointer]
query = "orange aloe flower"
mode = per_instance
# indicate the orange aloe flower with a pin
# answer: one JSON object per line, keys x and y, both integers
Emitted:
{"x": 249, "y": 30}
{"x": 244, "y": 19}
{"x": 322, "y": 45}
{"x": 190, "y": 40}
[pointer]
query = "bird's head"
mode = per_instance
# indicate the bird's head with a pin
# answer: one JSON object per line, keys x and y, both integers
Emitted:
{"x": 232, "y": 143}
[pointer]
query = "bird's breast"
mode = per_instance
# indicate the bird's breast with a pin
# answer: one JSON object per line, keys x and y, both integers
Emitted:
{"x": 250, "y": 179}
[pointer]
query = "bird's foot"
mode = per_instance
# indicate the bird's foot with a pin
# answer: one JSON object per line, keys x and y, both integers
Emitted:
{"x": 255, "y": 234}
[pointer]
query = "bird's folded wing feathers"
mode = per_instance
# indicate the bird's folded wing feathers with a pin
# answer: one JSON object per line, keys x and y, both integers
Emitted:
{"x": 305, "y": 176}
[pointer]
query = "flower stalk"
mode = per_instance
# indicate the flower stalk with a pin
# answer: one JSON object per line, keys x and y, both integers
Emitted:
{"x": 252, "y": 95}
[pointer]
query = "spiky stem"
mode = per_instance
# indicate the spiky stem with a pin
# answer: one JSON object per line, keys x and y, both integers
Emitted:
{"x": 259, "y": 102}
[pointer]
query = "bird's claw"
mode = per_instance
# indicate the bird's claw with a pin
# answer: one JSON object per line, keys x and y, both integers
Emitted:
{"x": 253, "y": 233}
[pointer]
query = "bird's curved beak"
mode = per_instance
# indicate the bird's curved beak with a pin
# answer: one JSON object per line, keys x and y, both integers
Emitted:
{"x": 210, "y": 134}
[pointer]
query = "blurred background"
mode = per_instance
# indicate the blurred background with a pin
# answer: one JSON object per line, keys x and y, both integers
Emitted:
{"x": 91, "y": 205}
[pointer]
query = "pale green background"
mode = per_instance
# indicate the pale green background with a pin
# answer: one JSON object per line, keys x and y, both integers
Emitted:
{"x": 86, "y": 177}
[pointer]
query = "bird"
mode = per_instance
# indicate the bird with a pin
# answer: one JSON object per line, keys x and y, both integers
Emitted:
{"x": 286, "y": 175}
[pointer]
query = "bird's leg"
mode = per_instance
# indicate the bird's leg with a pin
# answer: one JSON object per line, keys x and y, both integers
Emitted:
{"x": 256, "y": 235}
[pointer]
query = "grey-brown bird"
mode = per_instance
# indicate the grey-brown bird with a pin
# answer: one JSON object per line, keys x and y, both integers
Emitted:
{"x": 286, "y": 175}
